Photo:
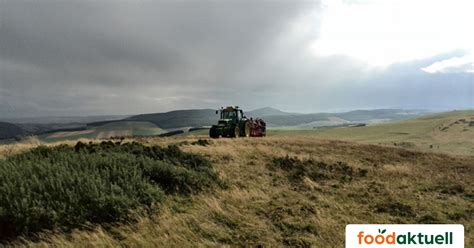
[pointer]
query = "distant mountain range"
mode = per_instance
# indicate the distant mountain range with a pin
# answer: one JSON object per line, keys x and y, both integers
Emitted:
{"x": 203, "y": 118}
{"x": 198, "y": 117}
{"x": 18, "y": 127}
{"x": 179, "y": 118}
{"x": 267, "y": 111}
{"x": 275, "y": 117}
{"x": 359, "y": 116}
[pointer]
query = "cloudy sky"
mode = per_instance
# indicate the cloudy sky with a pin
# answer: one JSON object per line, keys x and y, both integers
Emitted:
{"x": 67, "y": 57}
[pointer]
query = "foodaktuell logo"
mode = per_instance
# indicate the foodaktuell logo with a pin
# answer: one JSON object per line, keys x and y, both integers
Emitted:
{"x": 431, "y": 235}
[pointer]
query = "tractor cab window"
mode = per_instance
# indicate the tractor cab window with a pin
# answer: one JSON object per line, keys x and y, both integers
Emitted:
{"x": 229, "y": 115}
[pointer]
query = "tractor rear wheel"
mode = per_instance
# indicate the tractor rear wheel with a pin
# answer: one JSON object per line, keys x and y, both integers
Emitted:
{"x": 213, "y": 133}
{"x": 247, "y": 129}
{"x": 236, "y": 133}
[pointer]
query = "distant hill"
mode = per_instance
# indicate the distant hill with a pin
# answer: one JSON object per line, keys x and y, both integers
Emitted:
{"x": 105, "y": 131}
{"x": 9, "y": 131}
{"x": 448, "y": 132}
{"x": 381, "y": 114}
{"x": 63, "y": 119}
{"x": 267, "y": 111}
{"x": 179, "y": 118}
{"x": 195, "y": 118}
{"x": 364, "y": 116}
{"x": 273, "y": 117}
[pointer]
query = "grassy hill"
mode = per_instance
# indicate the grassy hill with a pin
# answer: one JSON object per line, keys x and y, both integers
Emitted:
{"x": 107, "y": 130}
{"x": 328, "y": 119}
{"x": 293, "y": 188}
{"x": 63, "y": 119}
{"x": 27, "y": 126}
{"x": 267, "y": 111}
{"x": 184, "y": 119}
{"x": 292, "y": 191}
{"x": 274, "y": 117}
{"x": 179, "y": 118}
{"x": 450, "y": 132}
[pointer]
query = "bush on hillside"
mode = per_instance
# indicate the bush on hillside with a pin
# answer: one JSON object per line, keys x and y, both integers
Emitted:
{"x": 65, "y": 187}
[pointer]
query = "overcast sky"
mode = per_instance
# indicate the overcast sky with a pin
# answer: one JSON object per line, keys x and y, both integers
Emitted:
{"x": 128, "y": 57}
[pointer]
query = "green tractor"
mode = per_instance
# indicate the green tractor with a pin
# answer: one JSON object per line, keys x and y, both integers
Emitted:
{"x": 232, "y": 123}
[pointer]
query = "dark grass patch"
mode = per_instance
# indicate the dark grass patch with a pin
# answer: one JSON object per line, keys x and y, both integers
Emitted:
{"x": 430, "y": 218}
{"x": 63, "y": 187}
{"x": 298, "y": 242}
{"x": 404, "y": 144}
{"x": 461, "y": 215}
{"x": 226, "y": 221}
{"x": 316, "y": 170}
{"x": 449, "y": 189}
{"x": 395, "y": 209}
{"x": 201, "y": 142}
{"x": 446, "y": 189}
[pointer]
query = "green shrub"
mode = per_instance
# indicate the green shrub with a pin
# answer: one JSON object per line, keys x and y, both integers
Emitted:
{"x": 65, "y": 187}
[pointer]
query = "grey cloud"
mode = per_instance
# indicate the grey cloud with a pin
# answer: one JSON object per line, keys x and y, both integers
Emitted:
{"x": 50, "y": 50}
{"x": 106, "y": 57}
{"x": 160, "y": 38}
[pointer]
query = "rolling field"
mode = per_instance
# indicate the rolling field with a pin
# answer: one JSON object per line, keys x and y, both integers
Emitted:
{"x": 109, "y": 130}
{"x": 299, "y": 188}
{"x": 450, "y": 132}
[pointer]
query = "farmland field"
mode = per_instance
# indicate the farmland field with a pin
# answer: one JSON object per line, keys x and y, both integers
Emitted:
{"x": 299, "y": 188}
{"x": 450, "y": 132}
{"x": 109, "y": 130}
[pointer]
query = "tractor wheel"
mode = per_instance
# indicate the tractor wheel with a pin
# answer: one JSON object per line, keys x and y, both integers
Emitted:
{"x": 236, "y": 133}
{"x": 247, "y": 129}
{"x": 213, "y": 133}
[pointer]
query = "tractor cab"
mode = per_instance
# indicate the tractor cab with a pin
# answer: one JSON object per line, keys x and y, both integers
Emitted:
{"x": 232, "y": 114}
